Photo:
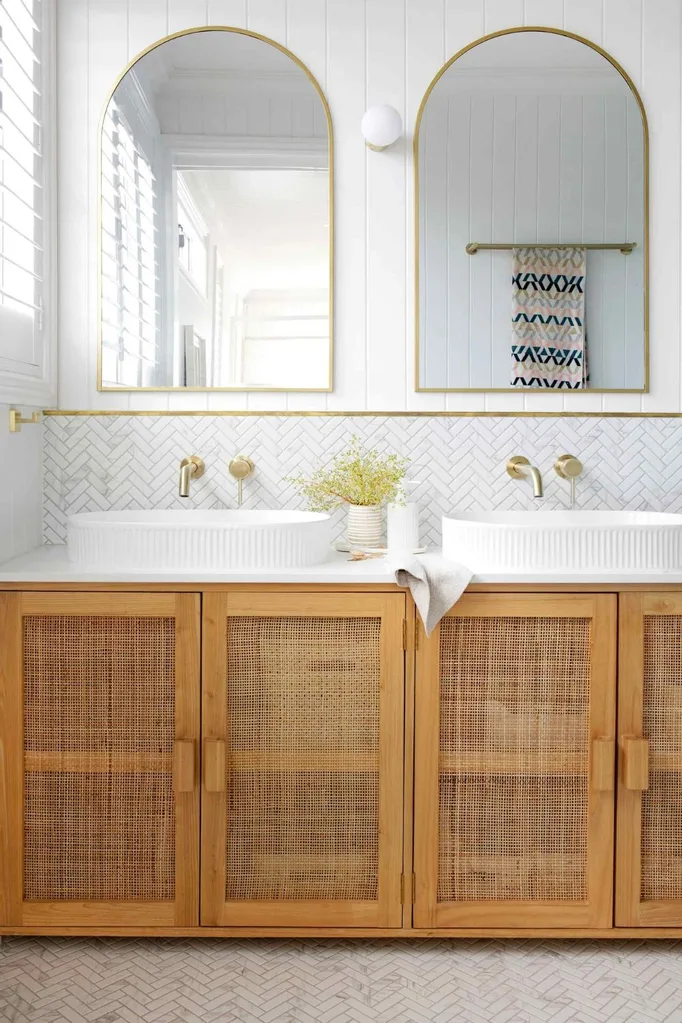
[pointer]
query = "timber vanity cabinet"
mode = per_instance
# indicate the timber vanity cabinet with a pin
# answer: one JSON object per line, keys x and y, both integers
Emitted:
{"x": 289, "y": 759}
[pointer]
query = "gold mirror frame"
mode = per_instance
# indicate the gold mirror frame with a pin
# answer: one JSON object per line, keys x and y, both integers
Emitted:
{"x": 330, "y": 150}
{"x": 645, "y": 130}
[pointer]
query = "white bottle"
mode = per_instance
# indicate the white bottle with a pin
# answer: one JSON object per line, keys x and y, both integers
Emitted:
{"x": 402, "y": 523}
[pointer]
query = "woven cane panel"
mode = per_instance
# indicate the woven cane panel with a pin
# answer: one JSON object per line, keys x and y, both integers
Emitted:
{"x": 662, "y": 801}
{"x": 514, "y": 759}
{"x": 303, "y": 725}
{"x": 99, "y": 816}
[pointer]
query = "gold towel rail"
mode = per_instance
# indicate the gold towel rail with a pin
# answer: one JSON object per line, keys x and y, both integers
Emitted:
{"x": 624, "y": 247}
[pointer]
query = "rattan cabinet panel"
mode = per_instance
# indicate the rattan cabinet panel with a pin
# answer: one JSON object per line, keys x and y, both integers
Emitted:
{"x": 515, "y": 718}
{"x": 303, "y": 758}
{"x": 101, "y": 696}
{"x": 649, "y": 842}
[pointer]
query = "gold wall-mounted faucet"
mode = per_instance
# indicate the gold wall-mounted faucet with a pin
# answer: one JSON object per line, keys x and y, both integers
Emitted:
{"x": 519, "y": 468}
{"x": 241, "y": 468}
{"x": 190, "y": 469}
{"x": 568, "y": 467}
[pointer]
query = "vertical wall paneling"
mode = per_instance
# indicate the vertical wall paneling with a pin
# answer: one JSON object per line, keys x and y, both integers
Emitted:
{"x": 425, "y": 54}
{"x": 386, "y": 182}
{"x": 267, "y": 17}
{"x": 355, "y": 59}
{"x": 585, "y": 18}
{"x": 306, "y": 35}
{"x": 184, "y": 14}
{"x": 76, "y": 246}
{"x": 463, "y": 24}
{"x": 544, "y": 12}
{"x": 661, "y": 92}
{"x": 503, "y": 187}
{"x": 346, "y": 80}
{"x": 226, "y": 12}
{"x": 147, "y": 22}
{"x": 21, "y": 503}
{"x": 622, "y": 24}
{"x": 502, "y": 14}
{"x": 481, "y": 135}
{"x": 458, "y": 265}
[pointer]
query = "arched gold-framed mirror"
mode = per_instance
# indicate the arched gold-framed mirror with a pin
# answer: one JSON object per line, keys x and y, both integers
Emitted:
{"x": 531, "y": 164}
{"x": 216, "y": 219}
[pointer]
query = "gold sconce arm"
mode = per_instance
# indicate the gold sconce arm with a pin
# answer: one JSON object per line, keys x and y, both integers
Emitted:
{"x": 16, "y": 420}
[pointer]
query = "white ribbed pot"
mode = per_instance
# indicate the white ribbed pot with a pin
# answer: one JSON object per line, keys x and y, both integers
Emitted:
{"x": 365, "y": 525}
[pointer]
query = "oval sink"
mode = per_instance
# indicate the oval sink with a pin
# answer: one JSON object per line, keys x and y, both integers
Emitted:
{"x": 564, "y": 541}
{"x": 203, "y": 541}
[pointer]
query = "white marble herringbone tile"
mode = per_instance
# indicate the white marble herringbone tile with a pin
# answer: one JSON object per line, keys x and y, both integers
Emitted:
{"x": 211, "y": 981}
{"x": 117, "y": 462}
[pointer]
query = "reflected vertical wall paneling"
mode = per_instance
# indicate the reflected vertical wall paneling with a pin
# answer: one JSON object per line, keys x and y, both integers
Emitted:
{"x": 363, "y": 51}
{"x": 535, "y": 166}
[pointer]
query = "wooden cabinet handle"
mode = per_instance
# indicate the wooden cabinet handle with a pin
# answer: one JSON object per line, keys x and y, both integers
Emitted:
{"x": 603, "y": 766}
{"x": 183, "y": 766}
{"x": 214, "y": 765}
{"x": 635, "y": 762}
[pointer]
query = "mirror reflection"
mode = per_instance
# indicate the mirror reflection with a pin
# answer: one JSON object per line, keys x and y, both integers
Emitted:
{"x": 216, "y": 220}
{"x": 532, "y": 162}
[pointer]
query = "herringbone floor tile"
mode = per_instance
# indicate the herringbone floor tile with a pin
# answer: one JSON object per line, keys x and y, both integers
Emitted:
{"x": 210, "y": 981}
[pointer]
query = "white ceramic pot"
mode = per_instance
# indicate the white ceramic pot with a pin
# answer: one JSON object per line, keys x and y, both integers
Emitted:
{"x": 365, "y": 525}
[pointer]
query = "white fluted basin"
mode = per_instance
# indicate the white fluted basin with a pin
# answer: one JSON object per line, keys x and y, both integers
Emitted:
{"x": 202, "y": 541}
{"x": 564, "y": 541}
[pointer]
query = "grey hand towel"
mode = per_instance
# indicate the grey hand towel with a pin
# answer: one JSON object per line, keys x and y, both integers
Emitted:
{"x": 435, "y": 583}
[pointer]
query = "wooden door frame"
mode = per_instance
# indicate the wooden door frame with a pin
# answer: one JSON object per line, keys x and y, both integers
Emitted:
{"x": 184, "y": 910}
{"x": 596, "y": 912}
{"x": 386, "y": 911}
{"x": 631, "y": 910}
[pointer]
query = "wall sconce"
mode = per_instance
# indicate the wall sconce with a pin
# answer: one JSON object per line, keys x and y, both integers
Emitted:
{"x": 381, "y": 127}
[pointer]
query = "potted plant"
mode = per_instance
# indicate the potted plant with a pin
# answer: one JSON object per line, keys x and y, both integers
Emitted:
{"x": 362, "y": 479}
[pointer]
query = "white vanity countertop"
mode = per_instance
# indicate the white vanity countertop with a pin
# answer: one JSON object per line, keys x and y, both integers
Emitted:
{"x": 49, "y": 564}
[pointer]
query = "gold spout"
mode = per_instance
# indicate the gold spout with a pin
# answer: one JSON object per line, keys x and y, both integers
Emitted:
{"x": 190, "y": 469}
{"x": 519, "y": 467}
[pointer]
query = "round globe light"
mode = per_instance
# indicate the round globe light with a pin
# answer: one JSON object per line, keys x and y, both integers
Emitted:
{"x": 381, "y": 126}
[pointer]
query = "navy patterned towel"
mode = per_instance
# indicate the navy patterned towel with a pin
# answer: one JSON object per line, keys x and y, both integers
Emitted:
{"x": 549, "y": 345}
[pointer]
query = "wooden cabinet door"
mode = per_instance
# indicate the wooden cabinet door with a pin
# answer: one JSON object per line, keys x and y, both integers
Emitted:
{"x": 303, "y": 701}
{"x": 649, "y": 834}
{"x": 515, "y": 727}
{"x": 99, "y": 723}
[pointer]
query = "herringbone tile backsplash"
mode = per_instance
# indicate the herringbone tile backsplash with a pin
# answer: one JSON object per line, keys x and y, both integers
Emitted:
{"x": 118, "y": 462}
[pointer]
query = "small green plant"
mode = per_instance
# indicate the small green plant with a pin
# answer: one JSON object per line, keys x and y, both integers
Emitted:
{"x": 356, "y": 476}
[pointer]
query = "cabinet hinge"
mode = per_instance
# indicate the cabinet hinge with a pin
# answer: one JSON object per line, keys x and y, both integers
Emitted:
{"x": 413, "y": 888}
{"x": 416, "y": 637}
{"x": 404, "y": 633}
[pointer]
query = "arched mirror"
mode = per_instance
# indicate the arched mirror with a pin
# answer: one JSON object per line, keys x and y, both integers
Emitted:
{"x": 216, "y": 220}
{"x": 531, "y": 162}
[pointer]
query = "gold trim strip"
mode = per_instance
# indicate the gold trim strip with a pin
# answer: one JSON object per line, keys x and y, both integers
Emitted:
{"x": 327, "y": 113}
{"x": 415, "y": 152}
{"x": 443, "y": 414}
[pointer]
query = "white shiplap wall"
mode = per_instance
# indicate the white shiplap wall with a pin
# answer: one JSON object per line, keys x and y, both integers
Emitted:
{"x": 21, "y": 497}
{"x": 499, "y": 163}
{"x": 363, "y": 52}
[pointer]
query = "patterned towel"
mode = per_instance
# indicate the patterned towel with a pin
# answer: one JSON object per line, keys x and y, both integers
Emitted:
{"x": 549, "y": 345}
